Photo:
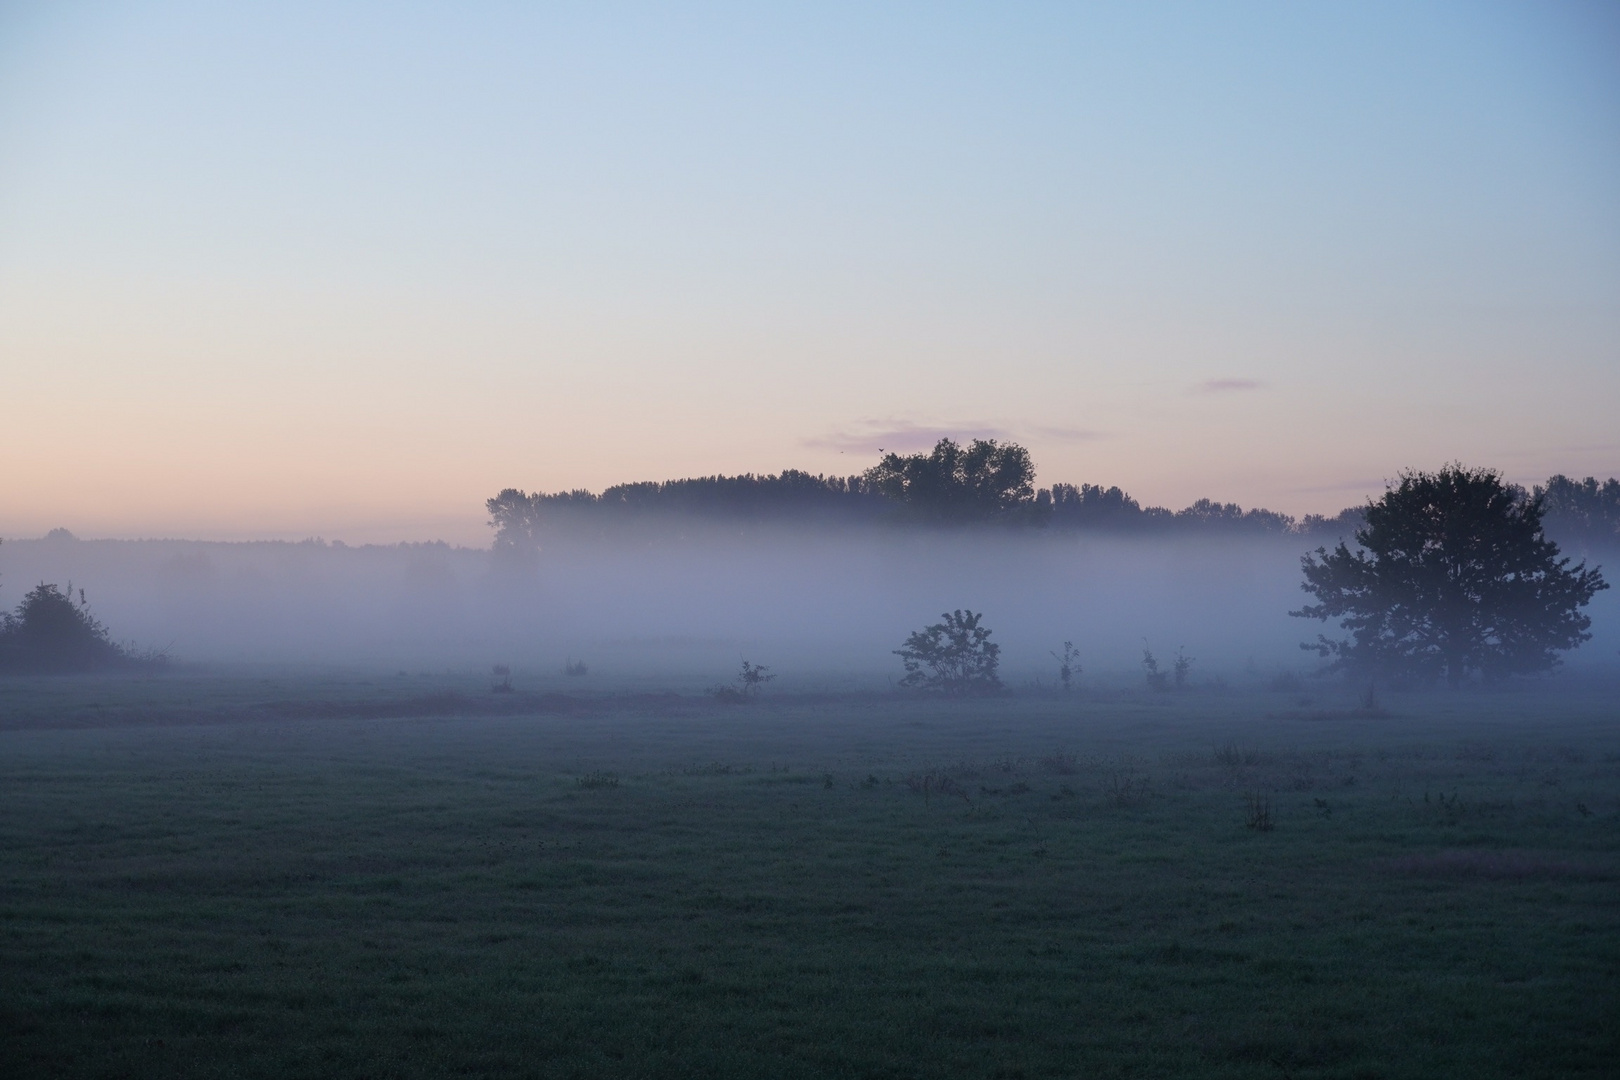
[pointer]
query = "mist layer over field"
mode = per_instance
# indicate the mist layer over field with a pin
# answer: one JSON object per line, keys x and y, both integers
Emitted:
{"x": 694, "y": 599}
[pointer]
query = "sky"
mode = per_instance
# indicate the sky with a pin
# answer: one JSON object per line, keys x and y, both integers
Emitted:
{"x": 347, "y": 270}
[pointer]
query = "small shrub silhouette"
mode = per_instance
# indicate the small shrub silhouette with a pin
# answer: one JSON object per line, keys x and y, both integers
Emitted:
{"x": 748, "y": 683}
{"x": 1233, "y": 757}
{"x": 1156, "y": 679}
{"x": 935, "y": 782}
{"x": 1068, "y": 665}
{"x": 1259, "y": 813}
{"x": 1367, "y": 703}
{"x": 1127, "y": 787}
{"x": 954, "y": 656}
{"x": 752, "y": 678}
{"x": 1182, "y": 667}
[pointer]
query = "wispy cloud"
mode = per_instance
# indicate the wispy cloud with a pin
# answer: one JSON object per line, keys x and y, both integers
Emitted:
{"x": 1066, "y": 434}
{"x": 1227, "y": 386}
{"x": 905, "y": 437}
{"x": 900, "y": 436}
{"x": 1363, "y": 484}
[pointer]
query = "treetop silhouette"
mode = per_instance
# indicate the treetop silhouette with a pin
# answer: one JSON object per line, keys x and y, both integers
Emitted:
{"x": 1453, "y": 574}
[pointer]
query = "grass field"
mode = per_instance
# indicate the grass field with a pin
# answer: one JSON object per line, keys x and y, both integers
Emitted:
{"x": 228, "y": 877}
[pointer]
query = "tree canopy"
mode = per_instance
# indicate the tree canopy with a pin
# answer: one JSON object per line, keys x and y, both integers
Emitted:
{"x": 983, "y": 481}
{"x": 1453, "y": 574}
{"x": 1586, "y": 511}
{"x": 952, "y": 485}
{"x": 520, "y": 517}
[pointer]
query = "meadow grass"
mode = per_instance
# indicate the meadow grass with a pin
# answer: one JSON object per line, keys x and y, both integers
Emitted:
{"x": 206, "y": 877}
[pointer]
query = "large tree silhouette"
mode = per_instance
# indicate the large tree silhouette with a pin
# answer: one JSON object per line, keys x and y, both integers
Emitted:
{"x": 1453, "y": 574}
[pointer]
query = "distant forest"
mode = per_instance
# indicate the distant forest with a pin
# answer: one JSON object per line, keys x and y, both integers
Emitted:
{"x": 984, "y": 482}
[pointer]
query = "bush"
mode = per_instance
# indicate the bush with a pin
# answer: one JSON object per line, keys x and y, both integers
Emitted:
{"x": 1068, "y": 665}
{"x": 50, "y": 633}
{"x": 1183, "y": 667}
{"x": 954, "y": 657}
{"x": 749, "y": 682}
{"x": 1156, "y": 679}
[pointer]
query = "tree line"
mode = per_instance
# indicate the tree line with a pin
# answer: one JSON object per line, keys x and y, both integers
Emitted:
{"x": 1452, "y": 575}
{"x": 983, "y": 482}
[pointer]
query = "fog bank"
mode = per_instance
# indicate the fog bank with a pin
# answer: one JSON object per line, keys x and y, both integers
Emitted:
{"x": 694, "y": 600}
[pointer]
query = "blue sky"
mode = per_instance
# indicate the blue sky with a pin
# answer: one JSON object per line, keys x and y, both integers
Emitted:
{"x": 348, "y": 269}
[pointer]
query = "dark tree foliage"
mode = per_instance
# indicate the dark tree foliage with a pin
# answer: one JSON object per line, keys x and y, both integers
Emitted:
{"x": 1207, "y": 512}
{"x": 952, "y": 484}
{"x": 790, "y": 492}
{"x": 1090, "y": 505}
{"x": 514, "y": 516}
{"x": 1344, "y": 523}
{"x": 51, "y": 634}
{"x": 1453, "y": 574}
{"x": 954, "y": 656}
{"x": 984, "y": 481}
{"x": 1093, "y": 506}
{"x": 1584, "y": 511}
{"x": 520, "y": 518}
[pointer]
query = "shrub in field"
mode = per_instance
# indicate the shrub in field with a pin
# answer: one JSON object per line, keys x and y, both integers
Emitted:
{"x": 752, "y": 678}
{"x": 935, "y": 782}
{"x": 748, "y": 684}
{"x": 1068, "y": 665}
{"x": 1127, "y": 787}
{"x": 954, "y": 656}
{"x": 52, "y": 633}
{"x": 1156, "y": 679}
{"x": 504, "y": 674}
{"x": 1258, "y": 816}
{"x": 1233, "y": 757}
{"x": 575, "y": 667}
